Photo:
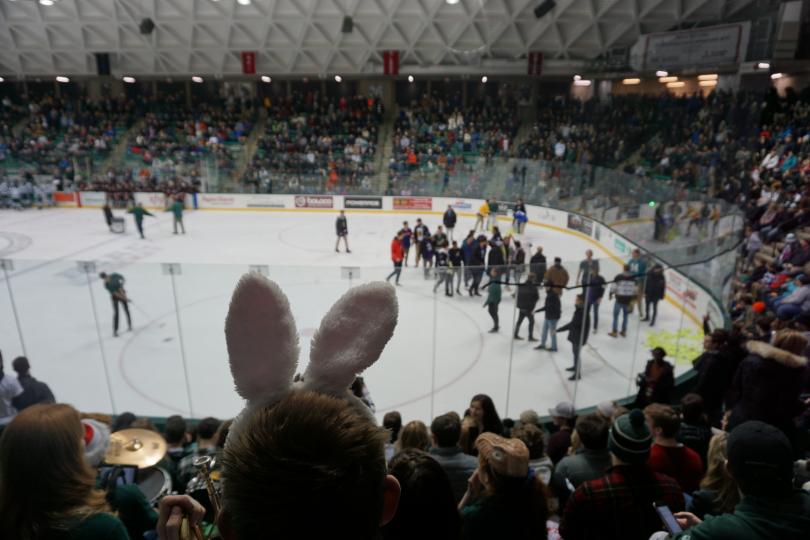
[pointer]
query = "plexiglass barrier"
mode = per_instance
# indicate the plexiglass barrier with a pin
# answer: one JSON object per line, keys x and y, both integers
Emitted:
{"x": 174, "y": 359}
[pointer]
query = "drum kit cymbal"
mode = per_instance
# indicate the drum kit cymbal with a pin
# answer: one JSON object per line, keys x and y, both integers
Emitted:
{"x": 140, "y": 448}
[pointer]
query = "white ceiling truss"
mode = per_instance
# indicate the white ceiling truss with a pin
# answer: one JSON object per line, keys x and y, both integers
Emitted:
{"x": 303, "y": 37}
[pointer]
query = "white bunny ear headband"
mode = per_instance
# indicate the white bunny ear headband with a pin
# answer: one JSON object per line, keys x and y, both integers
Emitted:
{"x": 263, "y": 342}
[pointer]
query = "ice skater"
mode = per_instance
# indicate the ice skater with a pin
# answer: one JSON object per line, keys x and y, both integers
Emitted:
{"x": 493, "y": 299}
{"x": 449, "y": 219}
{"x": 577, "y": 335}
{"x": 138, "y": 211}
{"x": 108, "y": 215}
{"x": 114, "y": 283}
{"x": 407, "y": 233}
{"x": 177, "y": 214}
{"x": 397, "y": 254}
{"x": 443, "y": 271}
{"x": 342, "y": 231}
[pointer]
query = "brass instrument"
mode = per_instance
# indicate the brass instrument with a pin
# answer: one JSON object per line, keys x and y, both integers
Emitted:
{"x": 187, "y": 531}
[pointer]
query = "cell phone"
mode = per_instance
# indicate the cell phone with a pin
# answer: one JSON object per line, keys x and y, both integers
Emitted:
{"x": 128, "y": 474}
{"x": 668, "y": 518}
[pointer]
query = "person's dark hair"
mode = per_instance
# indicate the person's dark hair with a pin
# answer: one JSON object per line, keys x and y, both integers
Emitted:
{"x": 392, "y": 421}
{"x": 123, "y": 421}
{"x": 492, "y": 422}
{"x": 692, "y": 409}
{"x": 175, "y": 430}
{"x": 207, "y": 427}
{"x": 532, "y": 437}
{"x": 664, "y": 417}
{"x": 21, "y": 365}
{"x": 222, "y": 433}
{"x": 592, "y": 430}
{"x": 307, "y": 451}
{"x": 447, "y": 430}
{"x": 426, "y": 500}
{"x": 414, "y": 435}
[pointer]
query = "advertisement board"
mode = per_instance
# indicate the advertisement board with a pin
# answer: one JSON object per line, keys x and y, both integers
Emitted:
{"x": 92, "y": 199}
{"x": 413, "y": 203}
{"x": 371, "y": 203}
{"x": 314, "y": 201}
{"x": 581, "y": 224}
{"x": 151, "y": 200}
{"x": 62, "y": 199}
{"x": 261, "y": 200}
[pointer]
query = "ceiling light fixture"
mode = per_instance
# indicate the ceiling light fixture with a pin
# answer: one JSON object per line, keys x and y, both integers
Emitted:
{"x": 582, "y": 82}
{"x": 661, "y": 73}
{"x": 243, "y": 2}
{"x": 484, "y": 79}
{"x": 708, "y": 77}
{"x": 763, "y": 65}
{"x": 128, "y": 79}
{"x": 676, "y": 84}
{"x": 62, "y": 79}
{"x": 196, "y": 79}
{"x": 708, "y": 83}
{"x": 338, "y": 78}
{"x": 667, "y": 79}
{"x": 775, "y": 76}
{"x": 452, "y": 2}
{"x": 631, "y": 81}
{"x": 46, "y": 3}
{"x": 410, "y": 78}
{"x": 2, "y": 79}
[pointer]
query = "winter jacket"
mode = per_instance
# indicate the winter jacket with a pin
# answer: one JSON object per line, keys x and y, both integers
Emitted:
{"x": 624, "y": 287}
{"x": 800, "y": 297}
{"x": 658, "y": 390}
{"x": 519, "y": 257}
{"x": 493, "y": 293}
{"x": 638, "y": 268}
{"x": 467, "y": 250}
{"x": 449, "y": 218}
{"x": 527, "y": 296}
{"x": 552, "y": 307}
{"x": 712, "y": 380}
{"x": 577, "y": 332}
{"x": 421, "y": 232}
{"x": 537, "y": 265}
{"x": 441, "y": 259}
{"x": 557, "y": 276}
{"x": 455, "y": 256}
{"x": 655, "y": 286}
{"x": 341, "y": 226}
{"x": 766, "y": 387}
{"x": 495, "y": 257}
{"x": 596, "y": 289}
{"x": 478, "y": 257}
{"x": 397, "y": 252}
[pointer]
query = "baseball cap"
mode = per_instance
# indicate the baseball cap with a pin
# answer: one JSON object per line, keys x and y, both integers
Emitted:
{"x": 507, "y": 457}
{"x": 563, "y": 410}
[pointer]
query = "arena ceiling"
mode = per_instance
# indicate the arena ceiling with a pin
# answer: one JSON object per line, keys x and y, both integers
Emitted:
{"x": 303, "y": 37}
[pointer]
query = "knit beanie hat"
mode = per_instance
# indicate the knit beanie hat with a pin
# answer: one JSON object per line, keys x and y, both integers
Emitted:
{"x": 760, "y": 457}
{"x": 630, "y": 438}
{"x": 96, "y": 440}
{"x": 507, "y": 457}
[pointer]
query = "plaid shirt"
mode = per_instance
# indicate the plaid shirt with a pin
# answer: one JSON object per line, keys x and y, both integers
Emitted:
{"x": 620, "y": 505}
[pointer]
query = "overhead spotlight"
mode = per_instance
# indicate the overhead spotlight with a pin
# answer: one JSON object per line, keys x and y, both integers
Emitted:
{"x": 667, "y": 79}
{"x": 196, "y": 79}
{"x": 484, "y": 79}
{"x": 128, "y": 80}
{"x": 2, "y": 79}
{"x": 452, "y": 2}
{"x": 577, "y": 77}
{"x": 338, "y": 78}
{"x": 410, "y": 78}
{"x": 267, "y": 79}
{"x": 708, "y": 77}
{"x": 763, "y": 65}
{"x": 582, "y": 82}
{"x": 46, "y": 2}
{"x": 708, "y": 83}
{"x": 775, "y": 76}
{"x": 661, "y": 73}
{"x": 243, "y": 2}
{"x": 676, "y": 84}
{"x": 62, "y": 79}
{"x": 631, "y": 81}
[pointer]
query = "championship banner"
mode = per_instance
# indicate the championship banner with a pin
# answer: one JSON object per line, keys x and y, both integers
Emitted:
{"x": 391, "y": 62}
{"x": 535, "y": 63}
{"x": 249, "y": 62}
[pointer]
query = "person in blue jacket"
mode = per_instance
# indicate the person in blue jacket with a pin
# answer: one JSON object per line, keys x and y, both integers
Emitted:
{"x": 406, "y": 233}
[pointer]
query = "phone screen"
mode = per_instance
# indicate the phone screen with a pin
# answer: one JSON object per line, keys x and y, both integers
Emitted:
{"x": 669, "y": 520}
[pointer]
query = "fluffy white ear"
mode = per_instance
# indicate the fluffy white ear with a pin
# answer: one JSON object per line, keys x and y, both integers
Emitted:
{"x": 351, "y": 337}
{"x": 262, "y": 340}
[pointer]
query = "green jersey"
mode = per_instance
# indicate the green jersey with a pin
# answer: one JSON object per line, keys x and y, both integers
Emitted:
{"x": 114, "y": 283}
{"x": 177, "y": 209}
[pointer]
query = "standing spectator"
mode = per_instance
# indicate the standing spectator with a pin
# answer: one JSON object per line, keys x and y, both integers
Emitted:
{"x": 719, "y": 492}
{"x": 34, "y": 391}
{"x": 342, "y": 231}
{"x": 10, "y": 388}
{"x": 481, "y": 215}
{"x": 502, "y": 500}
{"x": 577, "y": 328}
{"x": 594, "y": 294}
{"x": 519, "y": 217}
{"x": 527, "y": 297}
{"x": 440, "y": 238}
{"x": 138, "y": 212}
{"x": 392, "y": 422}
{"x": 695, "y": 431}
{"x": 493, "y": 299}
{"x": 624, "y": 289}
{"x": 108, "y": 214}
{"x": 768, "y": 382}
{"x": 587, "y": 268}
{"x": 553, "y": 310}
{"x": 537, "y": 264}
{"x": 477, "y": 261}
{"x": 760, "y": 458}
{"x": 590, "y": 462}
{"x": 667, "y": 455}
{"x": 539, "y": 462}
{"x": 177, "y": 214}
{"x": 445, "y": 435}
{"x": 406, "y": 233}
{"x": 397, "y": 255}
{"x": 420, "y": 232}
{"x": 654, "y": 289}
{"x": 620, "y": 504}
{"x": 519, "y": 261}
{"x": 467, "y": 247}
{"x": 563, "y": 416}
{"x": 492, "y": 214}
{"x": 443, "y": 272}
{"x": 655, "y": 385}
{"x": 426, "y": 498}
{"x": 449, "y": 219}
{"x": 48, "y": 488}
{"x": 456, "y": 259}
{"x": 638, "y": 267}
{"x": 482, "y": 418}
{"x": 713, "y": 374}
{"x": 556, "y": 277}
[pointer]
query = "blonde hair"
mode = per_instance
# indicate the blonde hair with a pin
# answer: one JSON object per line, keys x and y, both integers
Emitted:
{"x": 717, "y": 477}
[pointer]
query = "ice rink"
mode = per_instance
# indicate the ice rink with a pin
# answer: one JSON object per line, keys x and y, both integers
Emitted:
{"x": 440, "y": 355}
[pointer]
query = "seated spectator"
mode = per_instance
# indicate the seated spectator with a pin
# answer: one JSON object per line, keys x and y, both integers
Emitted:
{"x": 667, "y": 455}
{"x": 563, "y": 416}
{"x": 760, "y": 459}
{"x": 795, "y": 302}
{"x": 504, "y": 499}
{"x": 48, "y": 489}
{"x": 414, "y": 435}
{"x": 768, "y": 382}
{"x": 445, "y": 434}
{"x": 539, "y": 462}
{"x": 591, "y": 462}
{"x": 9, "y": 389}
{"x": 177, "y": 437}
{"x": 206, "y": 446}
{"x": 482, "y": 417}
{"x": 655, "y": 385}
{"x": 620, "y": 504}
{"x": 719, "y": 492}
{"x": 34, "y": 391}
{"x": 426, "y": 500}
{"x": 392, "y": 421}
{"x": 695, "y": 432}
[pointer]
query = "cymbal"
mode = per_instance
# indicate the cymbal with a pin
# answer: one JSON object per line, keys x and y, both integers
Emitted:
{"x": 135, "y": 447}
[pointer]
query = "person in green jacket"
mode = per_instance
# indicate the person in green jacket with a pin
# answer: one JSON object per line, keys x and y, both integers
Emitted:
{"x": 760, "y": 458}
{"x": 138, "y": 211}
{"x": 493, "y": 299}
{"x": 177, "y": 211}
